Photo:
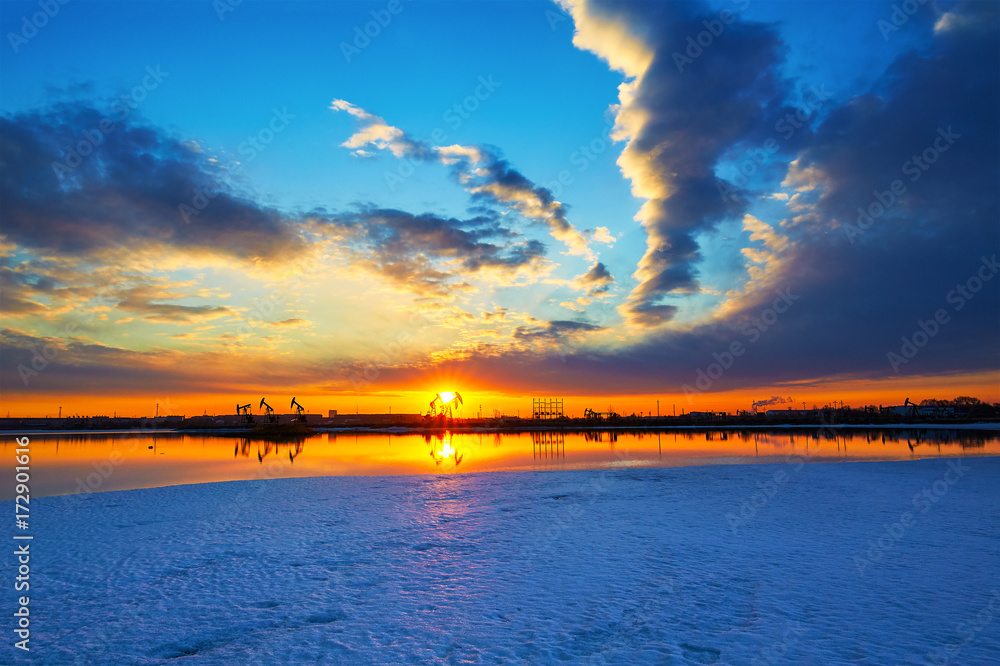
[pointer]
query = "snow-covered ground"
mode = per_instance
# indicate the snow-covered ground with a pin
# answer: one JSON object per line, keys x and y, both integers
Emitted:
{"x": 730, "y": 564}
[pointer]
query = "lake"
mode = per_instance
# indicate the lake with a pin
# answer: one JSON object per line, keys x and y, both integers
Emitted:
{"x": 65, "y": 463}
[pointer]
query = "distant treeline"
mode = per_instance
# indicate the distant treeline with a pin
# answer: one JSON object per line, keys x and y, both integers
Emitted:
{"x": 961, "y": 409}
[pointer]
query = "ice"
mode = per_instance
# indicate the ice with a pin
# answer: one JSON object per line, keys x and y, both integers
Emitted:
{"x": 643, "y": 566}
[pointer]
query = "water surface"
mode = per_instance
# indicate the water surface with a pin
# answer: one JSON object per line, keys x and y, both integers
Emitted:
{"x": 67, "y": 463}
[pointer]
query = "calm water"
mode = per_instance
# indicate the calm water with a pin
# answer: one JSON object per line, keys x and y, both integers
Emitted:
{"x": 69, "y": 463}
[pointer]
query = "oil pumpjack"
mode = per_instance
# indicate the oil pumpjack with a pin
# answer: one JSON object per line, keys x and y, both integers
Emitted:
{"x": 270, "y": 426}
{"x": 271, "y": 418}
{"x": 243, "y": 411}
{"x": 300, "y": 409}
{"x": 443, "y": 403}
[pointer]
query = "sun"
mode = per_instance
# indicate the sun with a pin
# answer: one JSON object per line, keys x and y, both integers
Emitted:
{"x": 444, "y": 403}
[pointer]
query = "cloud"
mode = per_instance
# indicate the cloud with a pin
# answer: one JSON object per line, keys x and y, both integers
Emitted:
{"x": 294, "y": 322}
{"x": 767, "y": 265}
{"x": 46, "y": 288}
{"x": 596, "y": 281}
{"x": 975, "y": 16}
{"x": 481, "y": 171}
{"x": 85, "y": 367}
{"x": 126, "y": 193}
{"x": 555, "y": 332}
{"x": 98, "y": 225}
{"x": 679, "y": 122}
{"x": 18, "y": 294}
{"x": 147, "y": 301}
{"x": 433, "y": 255}
{"x": 498, "y": 313}
{"x": 915, "y": 105}
{"x": 374, "y": 131}
{"x": 602, "y": 235}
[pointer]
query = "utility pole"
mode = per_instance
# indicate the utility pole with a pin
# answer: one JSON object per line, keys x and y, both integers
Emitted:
{"x": 675, "y": 409}
{"x": 657, "y": 409}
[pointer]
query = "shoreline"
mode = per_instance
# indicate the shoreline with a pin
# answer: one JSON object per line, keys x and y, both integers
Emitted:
{"x": 985, "y": 426}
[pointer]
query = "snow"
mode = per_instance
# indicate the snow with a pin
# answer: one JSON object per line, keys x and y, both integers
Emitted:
{"x": 728, "y": 564}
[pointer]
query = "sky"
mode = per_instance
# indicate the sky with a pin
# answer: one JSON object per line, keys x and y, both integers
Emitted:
{"x": 631, "y": 205}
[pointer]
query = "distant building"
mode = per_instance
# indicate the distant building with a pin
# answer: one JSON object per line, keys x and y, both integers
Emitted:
{"x": 374, "y": 419}
{"x": 706, "y": 416}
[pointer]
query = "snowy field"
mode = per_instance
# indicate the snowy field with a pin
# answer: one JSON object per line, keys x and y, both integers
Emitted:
{"x": 847, "y": 563}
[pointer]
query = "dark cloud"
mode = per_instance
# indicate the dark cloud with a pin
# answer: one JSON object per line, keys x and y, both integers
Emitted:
{"x": 696, "y": 112}
{"x": 430, "y": 253}
{"x": 30, "y": 286}
{"x": 41, "y": 364}
{"x": 554, "y": 331}
{"x": 290, "y": 323}
{"x": 597, "y": 281}
{"x": 862, "y": 289}
{"x": 68, "y": 187}
{"x": 18, "y": 294}
{"x": 479, "y": 169}
{"x": 147, "y": 301}
{"x": 882, "y": 136}
{"x": 500, "y": 183}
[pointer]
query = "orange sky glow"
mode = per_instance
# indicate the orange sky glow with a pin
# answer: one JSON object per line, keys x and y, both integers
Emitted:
{"x": 985, "y": 386}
